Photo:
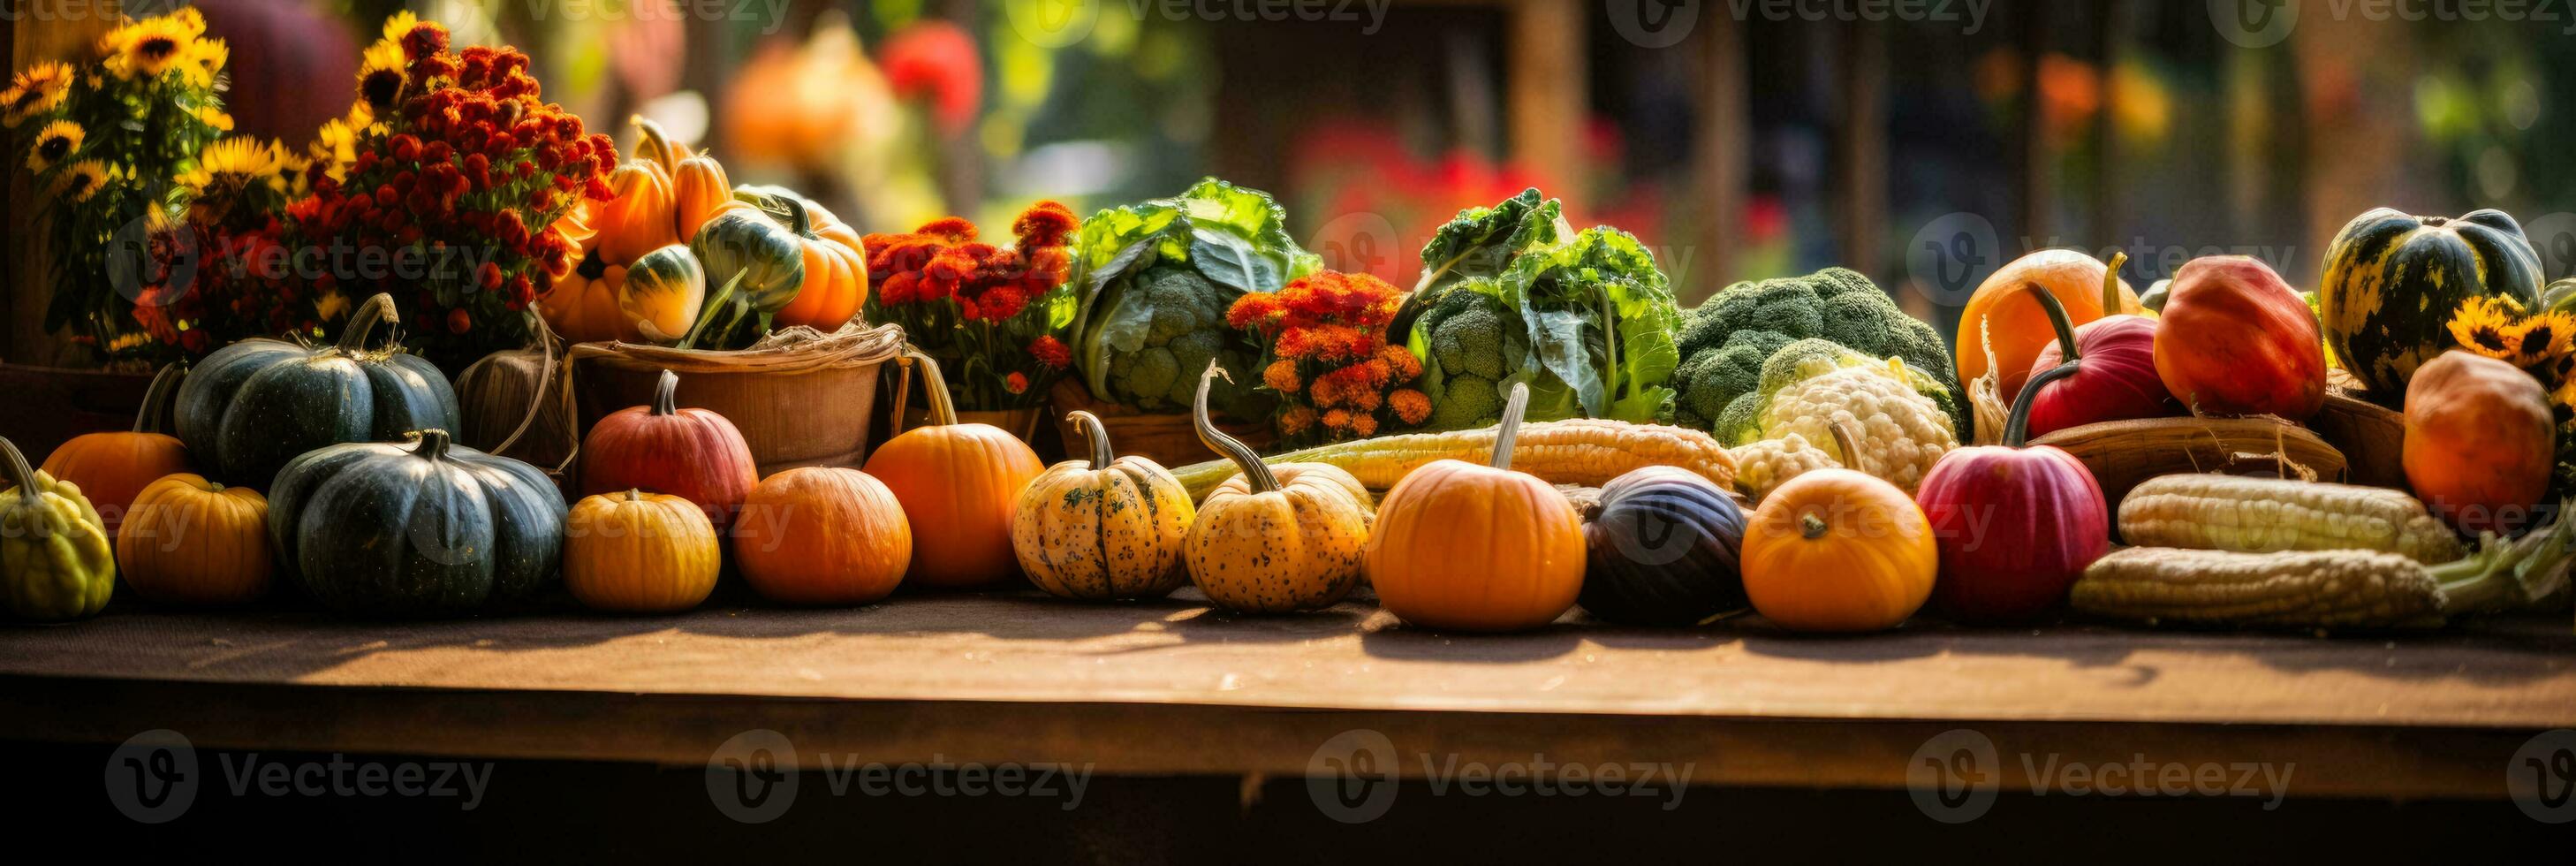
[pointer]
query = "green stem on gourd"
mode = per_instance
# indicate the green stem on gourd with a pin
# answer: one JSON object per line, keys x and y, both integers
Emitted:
{"x": 2499, "y": 574}
{"x": 2112, "y": 305}
{"x": 943, "y": 408}
{"x": 1811, "y": 527}
{"x": 634, "y": 494}
{"x": 374, "y": 311}
{"x": 1095, "y": 433}
{"x": 2017, "y": 424}
{"x": 1510, "y": 429}
{"x": 433, "y": 445}
{"x": 666, "y": 395}
{"x": 1255, "y": 472}
{"x": 156, "y": 399}
{"x": 716, "y": 306}
{"x": 21, "y": 475}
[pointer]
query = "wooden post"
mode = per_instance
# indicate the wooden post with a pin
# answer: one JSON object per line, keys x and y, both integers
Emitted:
{"x": 2038, "y": 157}
{"x": 1548, "y": 87}
{"x": 1860, "y": 149}
{"x": 1719, "y": 169}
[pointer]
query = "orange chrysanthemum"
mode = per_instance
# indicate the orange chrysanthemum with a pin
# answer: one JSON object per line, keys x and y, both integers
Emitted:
{"x": 1401, "y": 365}
{"x": 1411, "y": 407}
{"x": 1281, "y": 376}
{"x": 1299, "y": 419}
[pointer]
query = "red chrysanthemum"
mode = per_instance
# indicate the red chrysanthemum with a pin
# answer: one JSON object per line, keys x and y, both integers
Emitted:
{"x": 1045, "y": 224}
{"x": 1051, "y": 352}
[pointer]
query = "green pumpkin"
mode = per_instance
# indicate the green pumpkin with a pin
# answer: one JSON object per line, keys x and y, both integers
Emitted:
{"x": 55, "y": 561}
{"x": 664, "y": 292}
{"x": 761, "y": 245}
{"x": 252, "y": 406}
{"x": 2393, "y": 281}
{"x": 425, "y": 528}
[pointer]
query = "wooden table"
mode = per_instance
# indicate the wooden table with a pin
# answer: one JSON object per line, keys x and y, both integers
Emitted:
{"x": 1173, "y": 688}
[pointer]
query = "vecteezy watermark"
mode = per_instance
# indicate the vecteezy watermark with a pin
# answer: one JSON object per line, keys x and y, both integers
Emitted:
{"x": 1665, "y": 23}
{"x": 1952, "y": 255}
{"x": 1353, "y": 777}
{"x": 2265, "y": 23}
{"x": 769, "y": 14}
{"x": 1955, "y": 776}
{"x": 756, "y": 775}
{"x": 1058, "y": 23}
{"x": 2541, "y": 776}
{"x": 153, "y": 777}
{"x": 2554, "y": 236}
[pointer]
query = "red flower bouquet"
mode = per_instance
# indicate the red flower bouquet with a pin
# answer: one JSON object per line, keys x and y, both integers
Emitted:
{"x": 994, "y": 317}
{"x": 1328, "y": 358}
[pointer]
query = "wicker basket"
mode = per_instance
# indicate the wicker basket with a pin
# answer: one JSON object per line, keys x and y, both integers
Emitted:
{"x": 1168, "y": 439}
{"x": 801, "y": 397}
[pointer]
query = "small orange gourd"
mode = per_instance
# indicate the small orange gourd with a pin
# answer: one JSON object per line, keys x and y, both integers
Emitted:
{"x": 1463, "y": 547}
{"x": 2480, "y": 441}
{"x": 193, "y": 541}
{"x": 822, "y": 535}
{"x": 638, "y": 552}
{"x": 113, "y": 468}
{"x": 1109, "y": 527}
{"x": 1839, "y": 551}
{"x": 958, "y": 484}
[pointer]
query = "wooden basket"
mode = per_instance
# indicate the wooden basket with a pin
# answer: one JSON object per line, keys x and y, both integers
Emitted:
{"x": 2122, "y": 454}
{"x": 2372, "y": 438}
{"x": 801, "y": 397}
{"x": 1167, "y": 439}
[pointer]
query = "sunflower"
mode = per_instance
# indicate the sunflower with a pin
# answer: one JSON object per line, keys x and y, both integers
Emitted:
{"x": 37, "y": 90}
{"x": 402, "y": 22}
{"x": 83, "y": 179}
{"x": 380, "y": 76}
{"x": 230, "y": 169}
{"x": 148, "y": 47}
{"x": 58, "y": 141}
{"x": 189, "y": 21}
{"x": 289, "y": 177}
{"x": 2543, "y": 338}
{"x": 336, "y": 146}
{"x": 2486, "y": 327}
{"x": 215, "y": 117}
{"x": 206, "y": 58}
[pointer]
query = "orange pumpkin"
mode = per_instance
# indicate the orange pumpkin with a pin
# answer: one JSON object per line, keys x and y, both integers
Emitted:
{"x": 115, "y": 467}
{"x": 637, "y": 218}
{"x": 193, "y": 541}
{"x": 639, "y": 552}
{"x": 2479, "y": 441}
{"x": 2016, "y": 324}
{"x": 1464, "y": 547}
{"x": 958, "y": 484}
{"x": 694, "y": 454}
{"x": 582, "y": 305}
{"x": 823, "y": 535}
{"x": 1840, "y": 551}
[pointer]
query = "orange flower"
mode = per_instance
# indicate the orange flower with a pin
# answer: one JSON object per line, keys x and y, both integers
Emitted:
{"x": 1045, "y": 224}
{"x": 1016, "y": 383}
{"x": 1411, "y": 407}
{"x": 1339, "y": 342}
{"x": 1364, "y": 426}
{"x": 1256, "y": 309}
{"x": 1295, "y": 343}
{"x": 1337, "y": 420}
{"x": 1299, "y": 419}
{"x": 1401, "y": 365}
{"x": 1281, "y": 376}
{"x": 1325, "y": 392}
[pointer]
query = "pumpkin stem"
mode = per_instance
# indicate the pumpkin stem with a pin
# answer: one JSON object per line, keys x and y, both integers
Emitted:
{"x": 666, "y": 395}
{"x": 1812, "y": 527}
{"x": 2017, "y": 424}
{"x": 1254, "y": 471}
{"x": 653, "y": 143}
{"x": 1097, "y": 434}
{"x": 634, "y": 494}
{"x": 21, "y": 475}
{"x": 433, "y": 444}
{"x": 1847, "y": 442}
{"x": 155, "y": 414}
{"x": 2112, "y": 304}
{"x": 374, "y": 311}
{"x": 943, "y": 408}
{"x": 1510, "y": 429}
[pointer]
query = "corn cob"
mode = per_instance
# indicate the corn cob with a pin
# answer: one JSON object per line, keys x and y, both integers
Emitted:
{"x": 2329, "y": 588}
{"x": 2261, "y": 515}
{"x": 1582, "y": 451}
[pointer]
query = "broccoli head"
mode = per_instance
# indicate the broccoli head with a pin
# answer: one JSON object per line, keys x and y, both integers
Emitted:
{"x": 1466, "y": 402}
{"x": 1728, "y": 342}
{"x": 1474, "y": 343}
{"x": 1184, "y": 330}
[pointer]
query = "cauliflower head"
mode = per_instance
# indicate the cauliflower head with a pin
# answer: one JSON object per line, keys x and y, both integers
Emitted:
{"x": 1899, "y": 432}
{"x": 1765, "y": 465}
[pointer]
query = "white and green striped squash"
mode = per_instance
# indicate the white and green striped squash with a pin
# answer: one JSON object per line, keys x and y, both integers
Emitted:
{"x": 2393, "y": 281}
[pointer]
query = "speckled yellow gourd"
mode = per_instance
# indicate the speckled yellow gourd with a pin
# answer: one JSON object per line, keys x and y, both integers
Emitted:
{"x": 1276, "y": 538}
{"x": 55, "y": 559}
{"x": 1108, "y": 527}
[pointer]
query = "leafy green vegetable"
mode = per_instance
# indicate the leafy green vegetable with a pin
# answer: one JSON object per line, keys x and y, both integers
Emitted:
{"x": 1586, "y": 323}
{"x": 1153, "y": 281}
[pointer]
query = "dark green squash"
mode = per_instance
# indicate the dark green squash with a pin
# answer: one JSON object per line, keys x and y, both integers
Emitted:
{"x": 252, "y": 406}
{"x": 415, "y": 529}
{"x": 1663, "y": 550}
{"x": 2393, "y": 281}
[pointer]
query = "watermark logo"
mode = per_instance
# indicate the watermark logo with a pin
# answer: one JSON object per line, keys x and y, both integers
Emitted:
{"x": 1653, "y": 23}
{"x": 1052, "y": 24}
{"x": 1951, "y": 256}
{"x": 2554, "y": 236}
{"x": 1360, "y": 242}
{"x": 2254, "y": 23}
{"x": 152, "y": 776}
{"x": 2542, "y": 777}
{"x": 752, "y": 777}
{"x": 1954, "y": 777}
{"x": 1352, "y": 777}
